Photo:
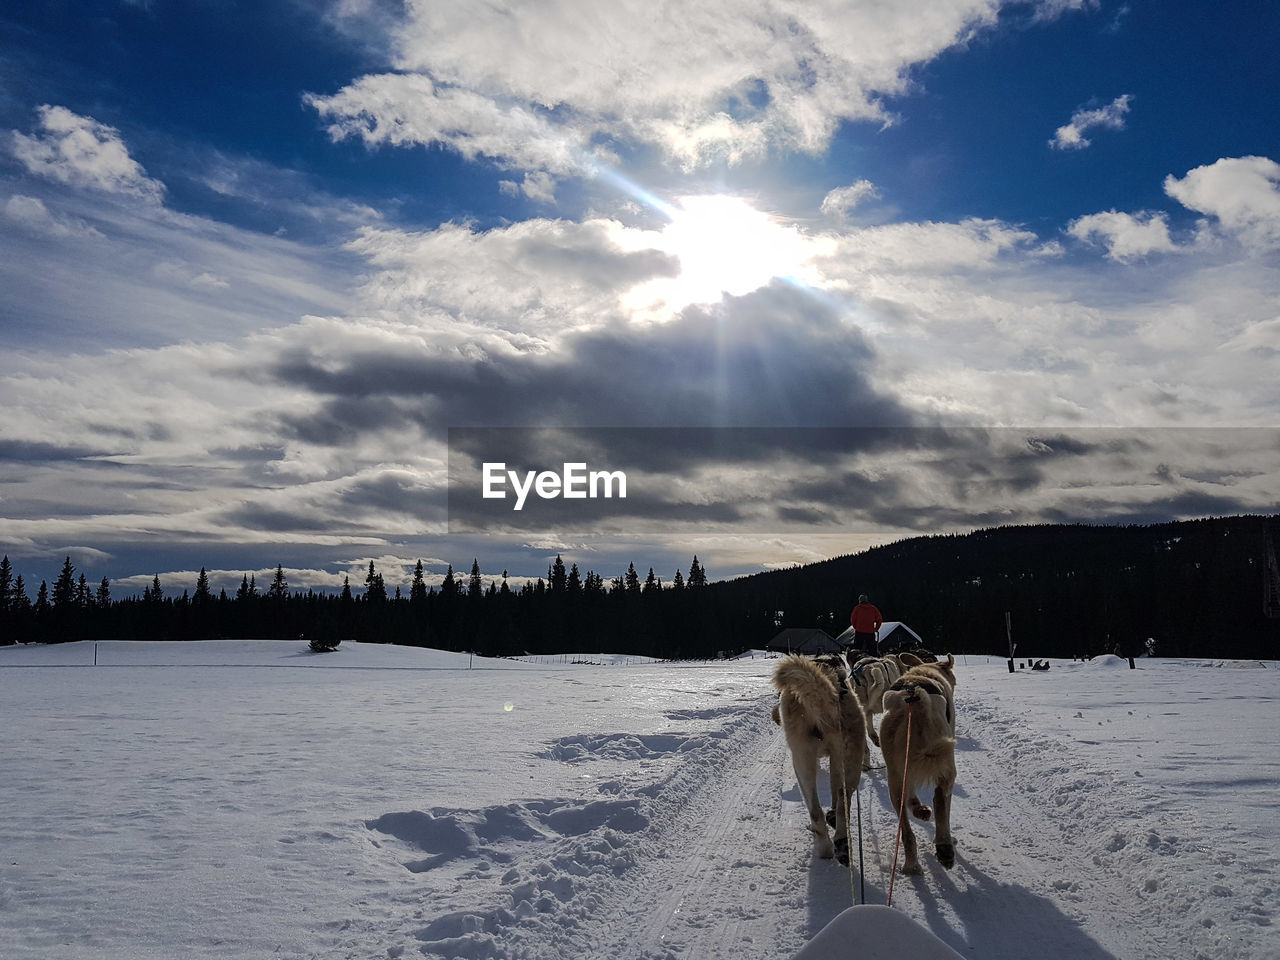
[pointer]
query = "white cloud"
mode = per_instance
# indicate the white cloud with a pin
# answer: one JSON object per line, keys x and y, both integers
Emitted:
{"x": 82, "y": 152}
{"x": 1126, "y": 236}
{"x": 153, "y": 276}
{"x": 537, "y": 186}
{"x": 530, "y": 278}
{"x": 1242, "y": 193}
{"x": 187, "y": 275}
{"x": 842, "y": 200}
{"x": 1111, "y": 117}
{"x": 32, "y": 214}
{"x": 407, "y": 109}
{"x": 535, "y": 86}
{"x": 930, "y": 248}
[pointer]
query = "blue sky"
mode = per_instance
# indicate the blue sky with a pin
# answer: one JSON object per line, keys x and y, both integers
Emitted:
{"x": 258, "y": 258}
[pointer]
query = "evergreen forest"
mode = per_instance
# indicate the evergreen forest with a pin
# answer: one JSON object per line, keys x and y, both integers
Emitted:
{"x": 1203, "y": 588}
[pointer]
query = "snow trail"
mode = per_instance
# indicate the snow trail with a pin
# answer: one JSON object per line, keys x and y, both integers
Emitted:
{"x": 230, "y": 799}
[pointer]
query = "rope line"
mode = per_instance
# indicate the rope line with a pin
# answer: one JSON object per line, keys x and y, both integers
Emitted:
{"x": 862, "y": 870}
{"x": 844, "y": 800}
{"x": 902, "y": 805}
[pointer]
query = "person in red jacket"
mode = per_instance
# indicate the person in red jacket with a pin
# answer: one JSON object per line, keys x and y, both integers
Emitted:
{"x": 866, "y": 621}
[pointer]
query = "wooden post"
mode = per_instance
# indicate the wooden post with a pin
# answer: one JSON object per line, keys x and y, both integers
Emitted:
{"x": 1008, "y": 630}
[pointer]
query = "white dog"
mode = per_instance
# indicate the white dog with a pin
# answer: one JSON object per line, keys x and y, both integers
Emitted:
{"x": 921, "y": 706}
{"x": 821, "y": 717}
{"x": 872, "y": 677}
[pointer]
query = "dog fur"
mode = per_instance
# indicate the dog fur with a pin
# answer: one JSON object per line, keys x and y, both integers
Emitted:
{"x": 924, "y": 697}
{"x": 820, "y": 716}
{"x": 871, "y": 678}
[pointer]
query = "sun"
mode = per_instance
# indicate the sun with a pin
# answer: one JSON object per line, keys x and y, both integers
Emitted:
{"x": 725, "y": 246}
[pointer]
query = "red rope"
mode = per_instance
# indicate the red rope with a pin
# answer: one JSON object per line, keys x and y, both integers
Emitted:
{"x": 902, "y": 805}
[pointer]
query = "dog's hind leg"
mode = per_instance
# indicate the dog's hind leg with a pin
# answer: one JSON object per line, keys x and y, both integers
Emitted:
{"x": 868, "y": 715}
{"x": 846, "y": 772}
{"x": 944, "y": 846}
{"x": 910, "y": 858}
{"x": 806, "y": 766}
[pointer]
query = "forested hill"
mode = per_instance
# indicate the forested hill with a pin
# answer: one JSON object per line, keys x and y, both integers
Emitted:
{"x": 1196, "y": 587}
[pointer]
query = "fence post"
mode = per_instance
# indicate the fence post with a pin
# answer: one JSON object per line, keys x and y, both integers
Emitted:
{"x": 1008, "y": 632}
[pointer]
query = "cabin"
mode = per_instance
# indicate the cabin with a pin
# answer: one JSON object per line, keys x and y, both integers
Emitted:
{"x": 894, "y": 635}
{"x": 809, "y": 641}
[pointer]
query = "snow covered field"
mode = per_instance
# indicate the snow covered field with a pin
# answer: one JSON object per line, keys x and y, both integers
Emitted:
{"x": 253, "y": 799}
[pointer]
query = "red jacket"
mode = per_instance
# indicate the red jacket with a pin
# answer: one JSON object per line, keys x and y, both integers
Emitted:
{"x": 865, "y": 618}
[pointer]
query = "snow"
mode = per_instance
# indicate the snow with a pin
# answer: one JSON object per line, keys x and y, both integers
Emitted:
{"x": 253, "y": 799}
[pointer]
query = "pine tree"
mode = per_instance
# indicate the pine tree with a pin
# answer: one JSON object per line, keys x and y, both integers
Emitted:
{"x": 64, "y": 588}
{"x": 632, "y": 580}
{"x": 449, "y": 588}
{"x": 42, "y": 600}
{"x": 279, "y": 589}
{"x": 557, "y": 576}
{"x": 203, "y": 595}
{"x": 7, "y": 606}
{"x": 375, "y": 589}
{"x": 697, "y": 576}
{"x": 84, "y": 599}
{"x": 677, "y": 582}
{"x": 573, "y": 584}
{"x": 418, "y": 589}
{"x": 157, "y": 594}
{"x": 651, "y": 584}
{"x": 6, "y": 585}
{"x": 475, "y": 585}
{"x": 242, "y": 594}
{"x": 104, "y": 594}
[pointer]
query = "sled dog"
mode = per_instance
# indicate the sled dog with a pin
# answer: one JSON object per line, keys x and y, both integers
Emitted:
{"x": 820, "y": 716}
{"x": 925, "y": 695}
{"x": 871, "y": 678}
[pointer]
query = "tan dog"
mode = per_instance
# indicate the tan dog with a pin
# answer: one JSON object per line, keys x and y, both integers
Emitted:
{"x": 872, "y": 677}
{"x": 821, "y": 717}
{"x": 924, "y": 695}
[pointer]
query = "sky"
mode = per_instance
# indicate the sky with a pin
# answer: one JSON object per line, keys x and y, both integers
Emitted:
{"x": 821, "y": 275}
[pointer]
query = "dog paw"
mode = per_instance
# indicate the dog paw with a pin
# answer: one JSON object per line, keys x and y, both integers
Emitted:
{"x": 831, "y": 819}
{"x": 842, "y": 851}
{"x": 911, "y": 870}
{"x": 922, "y": 812}
{"x": 946, "y": 854}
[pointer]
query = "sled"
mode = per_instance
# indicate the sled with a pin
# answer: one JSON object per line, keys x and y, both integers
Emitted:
{"x": 873, "y": 932}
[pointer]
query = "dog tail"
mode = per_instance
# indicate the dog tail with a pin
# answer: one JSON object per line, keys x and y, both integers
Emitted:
{"x": 801, "y": 678}
{"x": 938, "y": 749}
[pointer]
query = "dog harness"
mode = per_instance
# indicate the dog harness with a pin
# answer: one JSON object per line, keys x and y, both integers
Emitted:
{"x": 928, "y": 686}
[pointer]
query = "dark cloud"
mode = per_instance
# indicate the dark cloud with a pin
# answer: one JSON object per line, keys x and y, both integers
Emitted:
{"x": 777, "y": 357}
{"x": 589, "y": 257}
{"x": 35, "y": 451}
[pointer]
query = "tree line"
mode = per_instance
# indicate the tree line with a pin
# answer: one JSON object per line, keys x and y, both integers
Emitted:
{"x": 1193, "y": 588}
{"x": 565, "y": 612}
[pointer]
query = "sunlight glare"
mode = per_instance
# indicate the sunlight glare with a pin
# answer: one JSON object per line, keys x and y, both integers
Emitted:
{"x": 725, "y": 246}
